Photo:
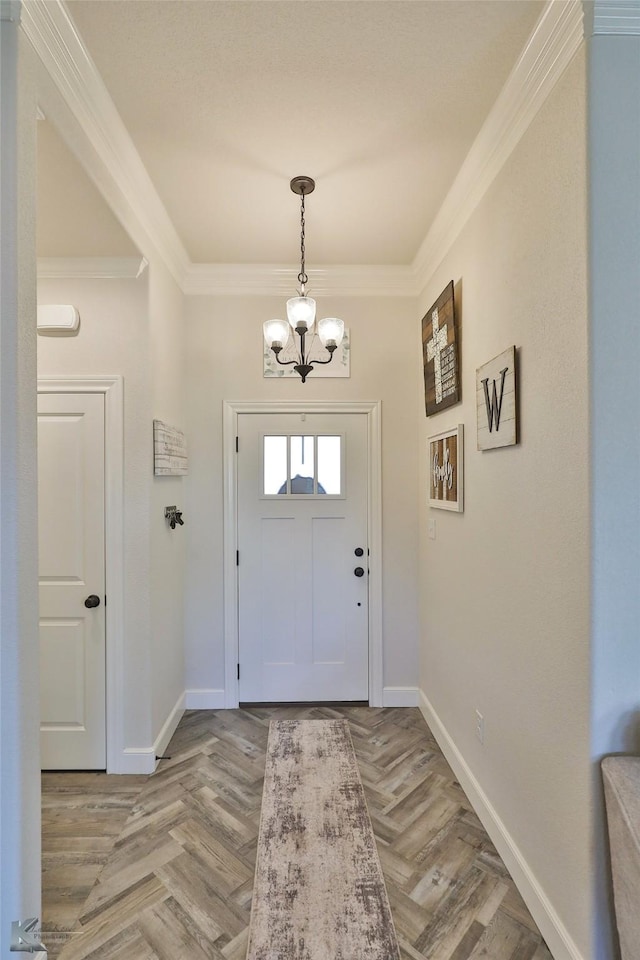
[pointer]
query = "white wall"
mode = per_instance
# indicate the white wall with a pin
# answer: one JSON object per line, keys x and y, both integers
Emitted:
{"x": 224, "y": 361}
{"x": 114, "y": 339}
{"x": 19, "y": 677}
{"x": 168, "y": 547}
{"x": 614, "y": 148}
{"x": 505, "y": 586}
{"x": 64, "y": 186}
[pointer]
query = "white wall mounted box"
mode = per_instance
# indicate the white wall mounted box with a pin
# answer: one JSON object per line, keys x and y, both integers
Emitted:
{"x": 57, "y": 316}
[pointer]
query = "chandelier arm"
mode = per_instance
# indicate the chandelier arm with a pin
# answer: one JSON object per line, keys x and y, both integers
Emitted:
{"x": 322, "y": 361}
{"x": 285, "y": 363}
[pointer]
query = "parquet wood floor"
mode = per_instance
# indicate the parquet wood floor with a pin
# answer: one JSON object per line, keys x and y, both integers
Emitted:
{"x": 161, "y": 867}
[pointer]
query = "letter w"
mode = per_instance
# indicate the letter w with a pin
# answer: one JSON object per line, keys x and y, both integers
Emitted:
{"x": 494, "y": 406}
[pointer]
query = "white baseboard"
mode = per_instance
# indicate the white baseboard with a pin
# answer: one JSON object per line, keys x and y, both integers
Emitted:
{"x": 400, "y": 697}
{"x": 204, "y": 700}
{"x": 142, "y": 760}
{"x": 169, "y": 727}
{"x": 553, "y": 930}
{"x": 137, "y": 760}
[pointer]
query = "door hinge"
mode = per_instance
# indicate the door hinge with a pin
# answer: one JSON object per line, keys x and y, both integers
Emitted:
{"x": 237, "y": 558}
{"x": 238, "y": 671}
{"x": 237, "y": 444}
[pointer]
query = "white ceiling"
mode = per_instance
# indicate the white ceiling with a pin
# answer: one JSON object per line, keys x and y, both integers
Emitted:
{"x": 378, "y": 100}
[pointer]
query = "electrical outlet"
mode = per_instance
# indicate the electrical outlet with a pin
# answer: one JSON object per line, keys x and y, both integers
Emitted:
{"x": 431, "y": 528}
{"x": 479, "y": 726}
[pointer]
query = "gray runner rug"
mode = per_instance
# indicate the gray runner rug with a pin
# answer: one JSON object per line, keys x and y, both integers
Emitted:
{"x": 319, "y": 892}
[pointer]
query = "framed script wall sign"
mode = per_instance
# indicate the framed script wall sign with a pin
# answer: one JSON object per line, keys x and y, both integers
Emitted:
{"x": 446, "y": 455}
{"x": 497, "y": 402}
{"x": 440, "y": 354}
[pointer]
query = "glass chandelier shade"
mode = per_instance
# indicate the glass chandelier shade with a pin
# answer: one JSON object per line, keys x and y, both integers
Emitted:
{"x": 276, "y": 332}
{"x": 331, "y": 331}
{"x": 301, "y": 312}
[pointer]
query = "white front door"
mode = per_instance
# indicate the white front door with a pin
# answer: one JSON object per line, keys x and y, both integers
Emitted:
{"x": 72, "y": 581}
{"x": 303, "y": 557}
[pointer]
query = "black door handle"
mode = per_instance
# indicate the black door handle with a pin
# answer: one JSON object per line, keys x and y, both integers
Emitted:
{"x": 359, "y": 552}
{"x": 92, "y": 601}
{"x": 359, "y": 571}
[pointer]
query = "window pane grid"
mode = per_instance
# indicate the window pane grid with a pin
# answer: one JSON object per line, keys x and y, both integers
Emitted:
{"x": 302, "y": 476}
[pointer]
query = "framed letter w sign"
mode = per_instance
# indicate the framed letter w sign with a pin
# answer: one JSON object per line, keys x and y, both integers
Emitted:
{"x": 496, "y": 402}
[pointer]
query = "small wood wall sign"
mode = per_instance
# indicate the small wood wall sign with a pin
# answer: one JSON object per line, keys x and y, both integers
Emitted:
{"x": 446, "y": 454}
{"x": 440, "y": 354}
{"x": 169, "y": 450}
{"x": 496, "y": 402}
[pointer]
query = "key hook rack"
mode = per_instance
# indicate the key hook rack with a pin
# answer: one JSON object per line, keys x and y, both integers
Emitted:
{"x": 174, "y": 516}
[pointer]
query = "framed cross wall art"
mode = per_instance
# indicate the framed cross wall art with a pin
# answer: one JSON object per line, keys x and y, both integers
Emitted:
{"x": 440, "y": 354}
{"x": 446, "y": 461}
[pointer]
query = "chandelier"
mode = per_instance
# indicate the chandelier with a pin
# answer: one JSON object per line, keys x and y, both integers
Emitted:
{"x": 301, "y": 310}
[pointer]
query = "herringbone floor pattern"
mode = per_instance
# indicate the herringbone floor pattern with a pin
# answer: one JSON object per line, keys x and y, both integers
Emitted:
{"x": 161, "y": 867}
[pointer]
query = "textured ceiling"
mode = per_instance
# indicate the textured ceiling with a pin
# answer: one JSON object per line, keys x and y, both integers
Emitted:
{"x": 378, "y": 101}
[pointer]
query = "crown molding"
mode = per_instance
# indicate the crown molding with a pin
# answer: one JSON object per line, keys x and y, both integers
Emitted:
{"x": 235, "y": 279}
{"x": 64, "y": 56}
{"x": 90, "y": 268}
{"x": 619, "y": 18}
{"x": 555, "y": 40}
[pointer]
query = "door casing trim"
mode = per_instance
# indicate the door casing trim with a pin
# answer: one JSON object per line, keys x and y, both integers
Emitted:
{"x": 112, "y": 389}
{"x": 231, "y": 410}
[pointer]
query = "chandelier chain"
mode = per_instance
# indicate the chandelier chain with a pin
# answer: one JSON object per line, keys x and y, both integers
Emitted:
{"x": 302, "y": 276}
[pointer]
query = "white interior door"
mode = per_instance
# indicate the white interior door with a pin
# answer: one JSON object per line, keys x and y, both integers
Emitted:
{"x": 72, "y": 578}
{"x": 303, "y": 557}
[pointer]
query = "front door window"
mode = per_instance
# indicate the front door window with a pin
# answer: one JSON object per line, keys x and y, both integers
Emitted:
{"x": 309, "y": 465}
